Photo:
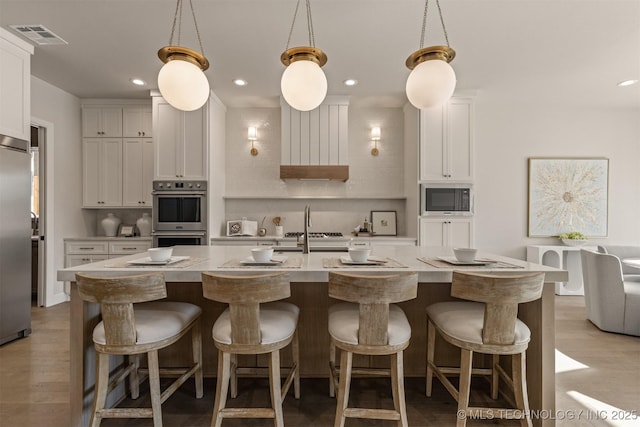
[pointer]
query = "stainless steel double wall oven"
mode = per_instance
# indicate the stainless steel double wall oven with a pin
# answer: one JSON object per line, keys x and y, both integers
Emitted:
{"x": 179, "y": 213}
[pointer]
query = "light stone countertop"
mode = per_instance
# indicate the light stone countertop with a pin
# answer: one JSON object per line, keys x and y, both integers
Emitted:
{"x": 311, "y": 270}
{"x": 111, "y": 239}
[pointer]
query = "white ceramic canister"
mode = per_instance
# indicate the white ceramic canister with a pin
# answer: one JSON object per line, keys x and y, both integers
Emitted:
{"x": 279, "y": 231}
{"x": 110, "y": 225}
{"x": 144, "y": 225}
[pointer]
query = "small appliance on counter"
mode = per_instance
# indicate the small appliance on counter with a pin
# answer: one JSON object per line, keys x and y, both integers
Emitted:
{"x": 242, "y": 227}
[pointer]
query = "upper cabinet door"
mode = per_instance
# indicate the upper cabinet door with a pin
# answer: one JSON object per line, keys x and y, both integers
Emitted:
{"x": 446, "y": 142}
{"x": 181, "y": 142}
{"x": 100, "y": 122}
{"x": 15, "y": 86}
{"x": 136, "y": 122}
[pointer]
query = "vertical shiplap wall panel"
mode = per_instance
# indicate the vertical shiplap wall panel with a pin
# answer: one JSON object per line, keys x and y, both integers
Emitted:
{"x": 295, "y": 136}
{"x": 324, "y": 134}
{"x": 334, "y": 139}
{"x": 285, "y": 136}
{"x": 343, "y": 134}
{"x": 314, "y": 137}
{"x": 304, "y": 137}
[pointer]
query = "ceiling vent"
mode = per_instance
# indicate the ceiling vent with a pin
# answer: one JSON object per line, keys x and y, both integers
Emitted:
{"x": 39, "y": 34}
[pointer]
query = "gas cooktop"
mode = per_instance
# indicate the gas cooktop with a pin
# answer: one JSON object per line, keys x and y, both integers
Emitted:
{"x": 314, "y": 234}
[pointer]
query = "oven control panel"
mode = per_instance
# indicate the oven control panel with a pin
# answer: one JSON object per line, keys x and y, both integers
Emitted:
{"x": 179, "y": 185}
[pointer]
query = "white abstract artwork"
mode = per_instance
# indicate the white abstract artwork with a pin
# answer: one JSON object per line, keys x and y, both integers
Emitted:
{"x": 568, "y": 195}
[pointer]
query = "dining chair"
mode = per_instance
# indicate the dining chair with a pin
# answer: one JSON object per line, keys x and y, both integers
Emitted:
{"x": 486, "y": 323}
{"x": 135, "y": 323}
{"x": 369, "y": 323}
{"x": 255, "y": 322}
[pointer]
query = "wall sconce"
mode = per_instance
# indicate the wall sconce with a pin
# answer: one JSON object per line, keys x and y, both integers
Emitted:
{"x": 375, "y": 137}
{"x": 252, "y": 135}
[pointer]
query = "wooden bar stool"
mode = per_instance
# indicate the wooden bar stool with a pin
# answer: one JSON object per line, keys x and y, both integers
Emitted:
{"x": 487, "y": 325}
{"x": 254, "y": 323}
{"x": 132, "y": 329}
{"x": 369, "y": 324}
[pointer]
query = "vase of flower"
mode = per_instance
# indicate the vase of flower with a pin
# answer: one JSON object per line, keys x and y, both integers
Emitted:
{"x": 110, "y": 225}
{"x": 144, "y": 225}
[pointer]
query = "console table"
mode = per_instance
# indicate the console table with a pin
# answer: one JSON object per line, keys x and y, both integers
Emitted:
{"x": 565, "y": 258}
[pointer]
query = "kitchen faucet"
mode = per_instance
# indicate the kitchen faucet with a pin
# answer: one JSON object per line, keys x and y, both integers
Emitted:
{"x": 307, "y": 224}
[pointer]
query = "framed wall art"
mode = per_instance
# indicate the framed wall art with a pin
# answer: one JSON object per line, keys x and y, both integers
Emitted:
{"x": 384, "y": 223}
{"x": 568, "y": 194}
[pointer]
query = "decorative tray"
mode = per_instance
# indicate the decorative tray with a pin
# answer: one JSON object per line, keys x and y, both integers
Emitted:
{"x": 371, "y": 261}
{"x": 275, "y": 260}
{"x": 148, "y": 261}
{"x": 453, "y": 260}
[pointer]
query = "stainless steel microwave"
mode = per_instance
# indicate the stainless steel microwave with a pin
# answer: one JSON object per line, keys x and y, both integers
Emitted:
{"x": 446, "y": 199}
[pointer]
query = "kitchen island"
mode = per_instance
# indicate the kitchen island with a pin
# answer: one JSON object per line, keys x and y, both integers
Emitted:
{"x": 308, "y": 276}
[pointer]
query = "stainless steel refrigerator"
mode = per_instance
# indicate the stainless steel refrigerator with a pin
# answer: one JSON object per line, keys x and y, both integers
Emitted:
{"x": 15, "y": 239}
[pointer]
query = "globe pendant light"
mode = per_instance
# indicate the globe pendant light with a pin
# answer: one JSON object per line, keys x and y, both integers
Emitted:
{"x": 303, "y": 84}
{"x": 432, "y": 80}
{"x": 181, "y": 79}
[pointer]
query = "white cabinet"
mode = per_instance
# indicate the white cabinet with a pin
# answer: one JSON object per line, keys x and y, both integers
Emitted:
{"x": 102, "y": 122}
{"x": 83, "y": 252}
{"x": 124, "y": 247}
{"x": 78, "y": 252}
{"x": 446, "y": 142}
{"x": 455, "y": 232}
{"x": 15, "y": 86}
{"x": 137, "y": 122}
{"x": 181, "y": 148}
{"x": 137, "y": 160}
{"x": 102, "y": 172}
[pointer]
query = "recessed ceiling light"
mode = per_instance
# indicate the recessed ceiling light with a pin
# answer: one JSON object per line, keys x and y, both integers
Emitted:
{"x": 138, "y": 82}
{"x": 350, "y": 82}
{"x": 627, "y": 82}
{"x": 240, "y": 82}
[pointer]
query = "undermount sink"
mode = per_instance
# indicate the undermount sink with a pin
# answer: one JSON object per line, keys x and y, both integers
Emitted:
{"x": 311, "y": 249}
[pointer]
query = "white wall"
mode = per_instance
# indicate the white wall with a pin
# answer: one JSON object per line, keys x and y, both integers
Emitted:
{"x": 507, "y": 135}
{"x": 62, "y": 109}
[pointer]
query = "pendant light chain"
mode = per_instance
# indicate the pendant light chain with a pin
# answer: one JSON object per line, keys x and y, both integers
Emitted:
{"x": 312, "y": 38}
{"x": 312, "y": 41}
{"x": 424, "y": 23}
{"x": 177, "y": 18}
{"x": 195, "y": 24}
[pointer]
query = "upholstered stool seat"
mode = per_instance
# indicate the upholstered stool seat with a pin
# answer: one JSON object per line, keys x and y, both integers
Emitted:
{"x": 369, "y": 323}
{"x": 487, "y": 323}
{"x": 463, "y": 322}
{"x": 256, "y": 322}
{"x": 133, "y": 323}
{"x": 278, "y": 321}
{"x": 344, "y": 324}
{"x": 156, "y": 321}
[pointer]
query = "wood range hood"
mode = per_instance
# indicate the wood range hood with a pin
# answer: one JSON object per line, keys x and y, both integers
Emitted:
{"x": 317, "y": 173}
{"x": 315, "y": 143}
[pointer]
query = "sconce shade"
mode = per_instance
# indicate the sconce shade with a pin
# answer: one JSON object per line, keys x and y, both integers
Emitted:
{"x": 303, "y": 84}
{"x": 375, "y": 133}
{"x": 183, "y": 84}
{"x": 252, "y": 133}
